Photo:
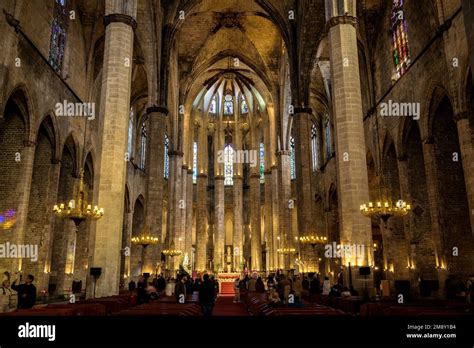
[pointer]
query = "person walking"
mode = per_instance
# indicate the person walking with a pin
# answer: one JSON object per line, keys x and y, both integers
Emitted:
{"x": 236, "y": 291}
{"x": 206, "y": 296}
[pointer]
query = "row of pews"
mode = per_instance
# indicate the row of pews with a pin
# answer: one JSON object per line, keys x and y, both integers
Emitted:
{"x": 258, "y": 305}
{"x": 93, "y": 307}
{"x": 389, "y": 307}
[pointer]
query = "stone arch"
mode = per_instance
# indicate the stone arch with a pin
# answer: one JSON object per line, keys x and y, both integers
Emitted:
{"x": 452, "y": 196}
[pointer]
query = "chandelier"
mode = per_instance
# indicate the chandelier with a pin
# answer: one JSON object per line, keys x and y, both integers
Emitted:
{"x": 286, "y": 251}
{"x": 144, "y": 239}
{"x": 78, "y": 209}
{"x": 171, "y": 252}
{"x": 385, "y": 208}
{"x": 312, "y": 239}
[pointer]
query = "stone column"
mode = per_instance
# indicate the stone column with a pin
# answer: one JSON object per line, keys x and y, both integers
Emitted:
{"x": 302, "y": 124}
{"x": 155, "y": 171}
{"x": 201, "y": 223}
{"x": 467, "y": 155}
{"x": 275, "y": 214}
{"x": 269, "y": 220}
{"x": 468, "y": 12}
{"x": 351, "y": 166}
{"x": 174, "y": 205}
{"x": 237, "y": 239}
{"x": 115, "y": 108}
{"x": 284, "y": 197}
{"x": 188, "y": 238}
{"x": 219, "y": 231}
{"x": 255, "y": 222}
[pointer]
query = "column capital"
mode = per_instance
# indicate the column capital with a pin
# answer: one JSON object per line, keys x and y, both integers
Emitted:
{"x": 274, "y": 167}
{"x": 303, "y": 110}
{"x": 190, "y": 171}
{"x": 219, "y": 177}
{"x": 254, "y": 176}
{"x": 463, "y": 115}
{"x": 184, "y": 167}
{"x": 238, "y": 177}
{"x": 268, "y": 172}
{"x": 159, "y": 109}
{"x": 202, "y": 176}
{"x": 346, "y": 19}
{"x": 122, "y": 18}
{"x": 283, "y": 153}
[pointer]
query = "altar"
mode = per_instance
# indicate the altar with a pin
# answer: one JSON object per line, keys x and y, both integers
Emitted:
{"x": 226, "y": 282}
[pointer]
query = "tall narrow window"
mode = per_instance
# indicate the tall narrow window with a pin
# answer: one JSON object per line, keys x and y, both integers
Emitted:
{"x": 213, "y": 106}
{"x": 228, "y": 165}
{"x": 58, "y": 35}
{"x": 292, "y": 158}
{"x": 228, "y": 105}
{"x": 195, "y": 161}
{"x": 262, "y": 163}
{"x": 327, "y": 136}
{"x": 143, "y": 136}
{"x": 399, "y": 32}
{"x": 131, "y": 122}
{"x": 243, "y": 106}
{"x": 167, "y": 157}
{"x": 314, "y": 147}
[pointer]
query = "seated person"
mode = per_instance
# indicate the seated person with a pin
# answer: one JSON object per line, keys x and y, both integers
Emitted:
{"x": 274, "y": 298}
{"x": 345, "y": 292}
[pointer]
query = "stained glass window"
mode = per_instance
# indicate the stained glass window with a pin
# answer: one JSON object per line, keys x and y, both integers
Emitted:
{"x": 58, "y": 35}
{"x": 292, "y": 158}
{"x": 228, "y": 105}
{"x": 131, "y": 122}
{"x": 167, "y": 157}
{"x": 228, "y": 165}
{"x": 213, "y": 107}
{"x": 314, "y": 147}
{"x": 195, "y": 161}
{"x": 262, "y": 163}
{"x": 399, "y": 32}
{"x": 328, "y": 137}
{"x": 243, "y": 106}
{"x": 143, "y": 135}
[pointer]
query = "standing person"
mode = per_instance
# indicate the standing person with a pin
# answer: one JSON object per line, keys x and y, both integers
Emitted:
{"x": 180, "y": 290}
{"x": 251, "y": 285}
{"x": 298, "y": 287}
{"x": 468, "y": 290}
{"x": 26, "y": 293}
{"x": 236, "y": 291}
{"x": 259, "y": 286}
{"x": 132, "y": 286}
{"x": 160, "y": 283}
{"x": 5, "y": 296}
{"x": 141, "y": 291}
{"x": 326, "y": 286}
{"x": 206, "y": 296}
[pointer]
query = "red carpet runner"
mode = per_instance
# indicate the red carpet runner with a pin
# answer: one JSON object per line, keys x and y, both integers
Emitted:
{"x": 225, "y": 307}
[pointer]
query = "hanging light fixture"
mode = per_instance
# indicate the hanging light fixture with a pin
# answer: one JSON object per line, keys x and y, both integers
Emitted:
{"x": 78, "y": 209}
{"x": 312, "y": 239}
{"x": 144, "y": 239}
{"x": 384, "y": 207}
{"x": 172, "y": 252}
